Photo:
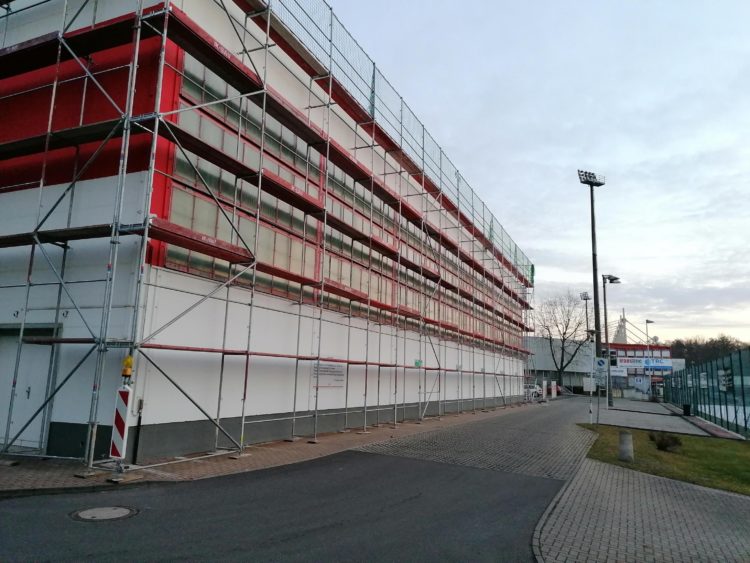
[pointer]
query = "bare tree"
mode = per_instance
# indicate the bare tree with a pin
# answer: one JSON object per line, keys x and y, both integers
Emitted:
{"x": 561, "y": 320}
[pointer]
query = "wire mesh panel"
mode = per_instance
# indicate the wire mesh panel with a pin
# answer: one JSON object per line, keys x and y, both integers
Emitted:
{"x": 432, "y": 158}
{"x": 387, "y": 105}
{"x": 314, "y": 24}
{"x": 412, "y": 138}
{"x": 310, "y": 21}
{"x": 449, "y": 178}
{"x": 351, "y": 66}
{"x": 718, "y": 390}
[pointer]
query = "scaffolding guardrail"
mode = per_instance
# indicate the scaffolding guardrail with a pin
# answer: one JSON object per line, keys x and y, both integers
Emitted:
{"x": 324, "y": 36}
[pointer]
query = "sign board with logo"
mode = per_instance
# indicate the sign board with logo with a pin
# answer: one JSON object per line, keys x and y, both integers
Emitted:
{"x": 618, "y": 371}
{"x": 648, "y": 363}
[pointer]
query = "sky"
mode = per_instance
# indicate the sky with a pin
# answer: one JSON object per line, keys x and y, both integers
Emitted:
{"x": 653, "y": 95}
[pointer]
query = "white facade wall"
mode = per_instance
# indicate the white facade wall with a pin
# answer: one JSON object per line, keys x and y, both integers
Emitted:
{"x": 85, "y": 271}
{"x": 541, "y": 357}
{"x": 166, "y": 294}
{"x": 273, "y": 325}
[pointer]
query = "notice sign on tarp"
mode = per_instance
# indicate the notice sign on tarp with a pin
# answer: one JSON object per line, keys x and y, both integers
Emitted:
{"x": 326, "y": 374}
{"x": 726, "y": 382}
{"x": 703, "y": 379}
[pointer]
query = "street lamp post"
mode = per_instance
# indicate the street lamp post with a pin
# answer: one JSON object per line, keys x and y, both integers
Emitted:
{"x": 585, "y": 297}
{"x": 648, "y": 359}
{"x": 594, "y": 180}
{"x": 611, "y": 279}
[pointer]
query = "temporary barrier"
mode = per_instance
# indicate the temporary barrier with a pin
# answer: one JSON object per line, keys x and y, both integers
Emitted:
{"x": 120, "y": 425}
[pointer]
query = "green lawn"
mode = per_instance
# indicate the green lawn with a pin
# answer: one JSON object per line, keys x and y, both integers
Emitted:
{"x": 711, "y": 462}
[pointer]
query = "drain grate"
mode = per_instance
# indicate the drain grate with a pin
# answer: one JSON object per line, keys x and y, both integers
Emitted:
{"x": 102, "y": 513}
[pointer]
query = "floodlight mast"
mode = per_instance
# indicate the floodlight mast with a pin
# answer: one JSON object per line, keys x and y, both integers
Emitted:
{"x": 585, "y": 297}
{"x": 594, "y": 180}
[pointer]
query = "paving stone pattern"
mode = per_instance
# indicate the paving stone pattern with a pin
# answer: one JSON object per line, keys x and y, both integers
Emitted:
{"x": 641, "y": 406}
{"x": 609, "y": 513}
{"x": 35, "y": 474}
{"x": 544, "y": 443}
{"x": 639, "y": 414}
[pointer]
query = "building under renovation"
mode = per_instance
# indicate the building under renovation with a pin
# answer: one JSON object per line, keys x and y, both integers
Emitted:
{"x": 232, "y": 195}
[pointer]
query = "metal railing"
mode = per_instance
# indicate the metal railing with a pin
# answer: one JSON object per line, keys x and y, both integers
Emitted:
{"x": 718, "y": 390}
{"x": 319, "y": 30}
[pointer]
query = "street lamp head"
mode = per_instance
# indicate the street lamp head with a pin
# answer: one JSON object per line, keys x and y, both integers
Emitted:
{"x": 610, "y": 278}
{"x": 649, "y": 322}
{"x": 585, "y": 296}
{"x": 590, "y": 179}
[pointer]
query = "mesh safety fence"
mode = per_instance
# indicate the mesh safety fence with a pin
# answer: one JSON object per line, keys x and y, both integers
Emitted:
{"x": 718, "y": 390}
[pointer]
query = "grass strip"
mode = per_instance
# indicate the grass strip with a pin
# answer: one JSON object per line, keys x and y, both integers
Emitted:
{"x": 712, "y": 462}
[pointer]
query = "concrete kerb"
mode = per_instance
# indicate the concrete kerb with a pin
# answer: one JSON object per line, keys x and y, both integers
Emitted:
{"x": 101, "y": 487}
{"x": 706, "y": 425}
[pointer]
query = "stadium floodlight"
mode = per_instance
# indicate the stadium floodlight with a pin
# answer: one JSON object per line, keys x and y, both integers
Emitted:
{"x": 591, "y": 179}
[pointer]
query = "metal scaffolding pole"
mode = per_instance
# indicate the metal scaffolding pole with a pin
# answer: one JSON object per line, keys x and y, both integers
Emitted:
{"x": 327, "y": 129}
{"x": 444, "y": 314}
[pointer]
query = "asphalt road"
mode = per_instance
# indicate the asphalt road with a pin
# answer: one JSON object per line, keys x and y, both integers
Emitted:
{"x": 353, "y": 506}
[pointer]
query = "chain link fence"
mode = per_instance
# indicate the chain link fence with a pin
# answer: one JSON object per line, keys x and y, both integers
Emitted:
{"x": 718, "y": 391}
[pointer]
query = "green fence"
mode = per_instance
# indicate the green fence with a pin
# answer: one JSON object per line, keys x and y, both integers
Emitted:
{"x": 718, "y": 390}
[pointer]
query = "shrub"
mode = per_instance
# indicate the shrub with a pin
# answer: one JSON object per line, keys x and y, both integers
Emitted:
{"x": 665, "y": 442}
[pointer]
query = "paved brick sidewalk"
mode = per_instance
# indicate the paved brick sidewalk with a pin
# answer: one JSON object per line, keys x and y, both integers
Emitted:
{"x": 644, "y": 415}
{"x": 547, "y": 444}
{"x": 50, "y": 474}
{"x": 608, "y": 513}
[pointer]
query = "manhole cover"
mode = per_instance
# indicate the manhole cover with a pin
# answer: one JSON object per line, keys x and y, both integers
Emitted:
{"x": 103, "y": 513}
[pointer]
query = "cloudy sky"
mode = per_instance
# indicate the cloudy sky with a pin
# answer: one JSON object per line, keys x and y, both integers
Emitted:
{"x": 654, "y": 95}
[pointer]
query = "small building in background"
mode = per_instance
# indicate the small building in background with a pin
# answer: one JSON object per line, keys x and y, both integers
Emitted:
{"x": 638, "y": 369}
{"x": 542, "y": 365}
{"x": 638, "y": 362}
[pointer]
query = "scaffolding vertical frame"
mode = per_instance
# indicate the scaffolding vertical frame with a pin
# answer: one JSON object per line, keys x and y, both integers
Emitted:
{"x": 449, "y": 316}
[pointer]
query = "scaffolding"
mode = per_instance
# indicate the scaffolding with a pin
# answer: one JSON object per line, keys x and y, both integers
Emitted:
{"x": 457, "y": 280}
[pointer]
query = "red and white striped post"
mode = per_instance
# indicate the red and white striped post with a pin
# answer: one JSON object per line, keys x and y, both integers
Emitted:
{"x": 119, "y": 441}
{"x": 120, "y": 425}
